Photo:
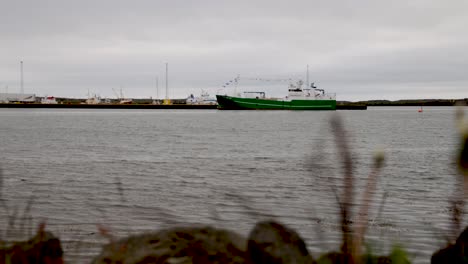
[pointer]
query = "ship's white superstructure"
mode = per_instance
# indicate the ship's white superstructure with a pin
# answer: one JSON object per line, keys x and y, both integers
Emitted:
{"x": 203, "y": 99}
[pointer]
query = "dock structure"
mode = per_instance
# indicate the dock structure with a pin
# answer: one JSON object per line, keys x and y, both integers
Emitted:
{"x": 110, "y": 106}
{"x": 140, "y": 106}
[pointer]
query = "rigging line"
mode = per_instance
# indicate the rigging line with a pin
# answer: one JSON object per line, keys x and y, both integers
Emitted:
{"x": 268, "y": 79}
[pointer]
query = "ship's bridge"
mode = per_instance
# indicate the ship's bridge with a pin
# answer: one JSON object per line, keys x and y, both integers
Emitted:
{"x": 296, "y": 91}
{"x": 257, "y": 95}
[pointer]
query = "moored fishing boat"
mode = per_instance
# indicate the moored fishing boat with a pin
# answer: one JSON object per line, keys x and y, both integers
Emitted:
{"x": 204, "y": 99}
{"x": 49, "y": 100}
{"x": 298, "y": 98}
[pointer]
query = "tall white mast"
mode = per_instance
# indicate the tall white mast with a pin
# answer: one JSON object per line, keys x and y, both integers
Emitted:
{"x": 157, "y": 87}
{"x": 22, "y": 88}
{"x": 167, "y": 82}
{"x": 307, "y": 81}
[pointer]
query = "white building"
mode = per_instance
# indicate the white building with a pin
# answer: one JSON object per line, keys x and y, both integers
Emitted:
{"x": 17, "y": 98}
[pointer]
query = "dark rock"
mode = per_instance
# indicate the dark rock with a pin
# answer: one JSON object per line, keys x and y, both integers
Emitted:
{"x": 453, "y": 254}
{"x": 447, "y": 255}
{"x": 462, "y": 242}
{"x": 335, "y": 258}
{"x": 271, "y": 242}
{"x": 346, "y": 258}
{"x": 178, "y": 245}
{"x": 44, "y": 248}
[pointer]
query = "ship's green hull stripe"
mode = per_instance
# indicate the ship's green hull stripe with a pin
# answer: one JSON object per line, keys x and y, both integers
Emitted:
{"x": 226, "y": 102}
{"x": 279, "y": 105}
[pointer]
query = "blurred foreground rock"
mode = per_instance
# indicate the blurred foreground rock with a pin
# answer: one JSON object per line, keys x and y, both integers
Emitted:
{"x": 177, "y": 245}
{"x": 44, "y": 248}
{"x": 453, "y": 254}
{"x": 269, "y": 242}
{"x": 273, "y": 243}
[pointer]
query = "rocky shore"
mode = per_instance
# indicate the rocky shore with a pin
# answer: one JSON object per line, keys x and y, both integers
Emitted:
{"x": 268, "y": 242}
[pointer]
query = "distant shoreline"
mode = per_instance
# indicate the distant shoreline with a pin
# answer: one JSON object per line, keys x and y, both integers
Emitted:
{"x": 181, "y": 104}
{"x": 403, "y": 102}
{"x": 408, "y": 102}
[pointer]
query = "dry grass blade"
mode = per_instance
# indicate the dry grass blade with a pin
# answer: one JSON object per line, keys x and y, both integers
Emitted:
{"x": 348, "y": 193}
{"x": 337, "y": 198}
{"x": 363, "y": 215}
{"x": 105, "y": 232}
{"x": 11, "y": 222}
{"x": 29, "y": 231}
{"x": 214, "y": 215}
{"x": 463, "y": 155}
{"x": 1, "y": 182}
{"x": 456, "y": 208}
{"x": 26, "y": 215}
{"x": 41, "y": 227}
{"x": 2, "y": 202}
{"x": 382, "y": 205}
{"x": 316, "y": 224}
{"x": 120, "y": 189}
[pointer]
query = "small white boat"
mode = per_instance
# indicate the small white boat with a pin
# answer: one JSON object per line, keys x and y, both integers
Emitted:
{"x": 94, "y": 100}
{"x": 204, "y": 99}
{"x": 49, "y": 100}
{"x": 126, "y": 101}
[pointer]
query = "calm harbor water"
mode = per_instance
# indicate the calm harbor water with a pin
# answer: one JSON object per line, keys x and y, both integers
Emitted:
{"x": 138, "y": 170}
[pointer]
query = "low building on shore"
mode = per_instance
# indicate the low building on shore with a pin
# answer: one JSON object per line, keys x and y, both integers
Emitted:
{"x": 17, "y": 98}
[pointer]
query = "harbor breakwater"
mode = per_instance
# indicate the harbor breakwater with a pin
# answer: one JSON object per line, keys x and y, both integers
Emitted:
{"x": 109, "y": 106}
{"x": 147, "y": 106}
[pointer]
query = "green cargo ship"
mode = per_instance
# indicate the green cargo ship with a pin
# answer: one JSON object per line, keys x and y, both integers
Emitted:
{"x": 298, "y": 99}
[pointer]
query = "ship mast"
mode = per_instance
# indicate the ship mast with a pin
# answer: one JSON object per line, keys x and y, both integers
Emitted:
{"x": 307, "y": 80}
{"x": 167, "y": 101}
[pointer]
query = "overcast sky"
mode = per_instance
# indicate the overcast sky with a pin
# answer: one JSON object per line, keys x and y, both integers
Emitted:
{"x": 358, "y": 49}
